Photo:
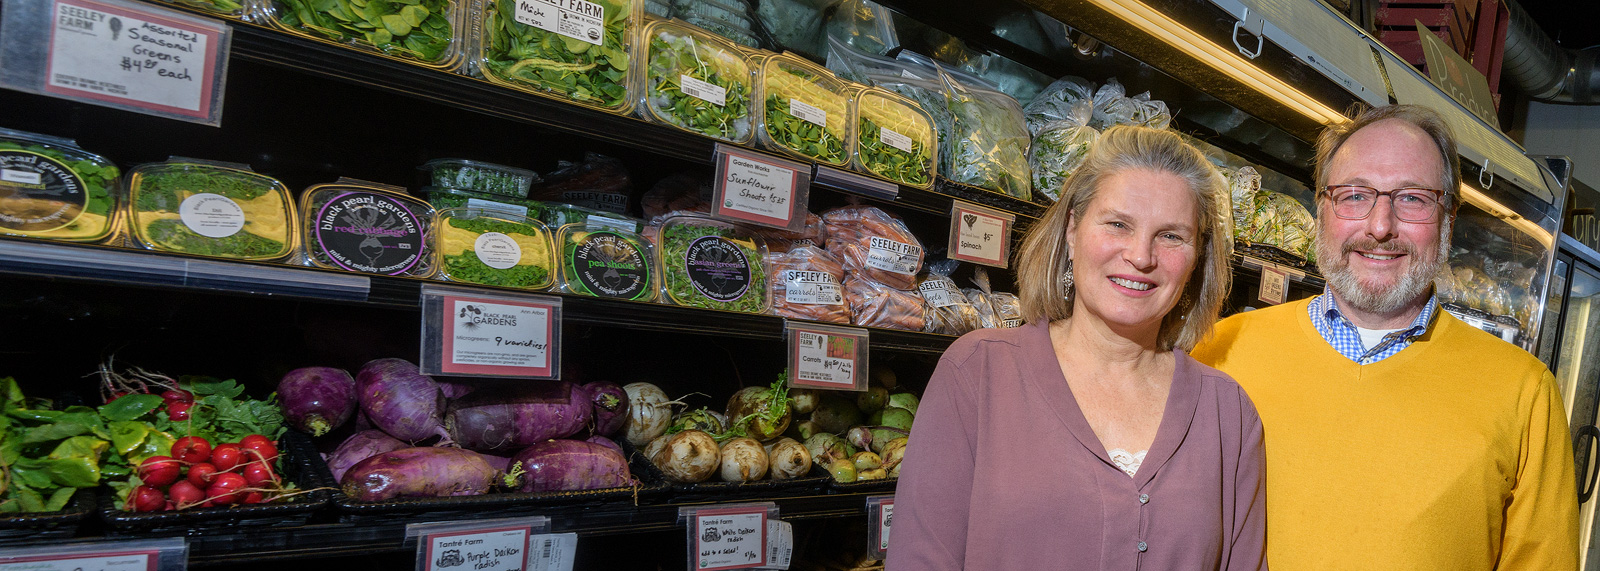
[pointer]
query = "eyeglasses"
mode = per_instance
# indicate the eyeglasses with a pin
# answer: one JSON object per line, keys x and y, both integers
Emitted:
{"x": 1352, "y": 202}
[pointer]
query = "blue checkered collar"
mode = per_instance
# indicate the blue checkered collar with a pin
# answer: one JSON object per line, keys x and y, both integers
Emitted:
{"x": 1341, "y": 333}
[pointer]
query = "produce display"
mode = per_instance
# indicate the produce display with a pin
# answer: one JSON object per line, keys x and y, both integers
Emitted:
{"x": 598, "y": 182}
{"x": 712, "y": 264}
{"x": 807, "y": 283}
{"x": 569, "y": 53}
{"x": 507, "y": 418}
{"x": 805, "y": 110}
{"x": 697, "y": 82}
{"x": 873, "y": 304}
{"x": 795, "y": 24}
{"x": 316, "y": 399}
{"x": 1264, "y": 217}
{"x": 1061, "y": 140}
{"x": 602, "y": 261}
{"x": 367, "y": 228}
{"x": 875, "y": 245}
{"x": 895, "y": 139}
{"x": 210, "y": 209}
{"x": 948, "y": 309}
{"x": 53, "y": 189}
{"x": 860, "y": 436}
{"x": 493, "y": 248}
{"x": 423, "y": 31}
{"x": 987, "y": 144}
{"x": 1479, "y": 280}
{"x": 734, "y": 12}
{"x": 728, "y": 29}
{"x": 478, "y": 176}
{"x": 746, "y": 444}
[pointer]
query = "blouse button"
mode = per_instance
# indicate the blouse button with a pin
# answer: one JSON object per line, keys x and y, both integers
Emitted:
{"x": 1144, "y": 498}
{"x": 1142, "y": 547}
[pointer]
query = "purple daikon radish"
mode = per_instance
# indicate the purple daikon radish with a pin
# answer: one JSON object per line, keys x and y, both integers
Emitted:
{"x": 455, "y": 390}
{"x": 361, "y": 446}
{"x": 563, "y": 465}
{"x": 401, "y": 401}
{"x": 512, "y": 417}
{"x": 500, "y": 463}
{"x": 421, "y": 472}
{"x": 317, "y": 399}
{"x": 603, "y": 441}
{"x": 610, "y": 407}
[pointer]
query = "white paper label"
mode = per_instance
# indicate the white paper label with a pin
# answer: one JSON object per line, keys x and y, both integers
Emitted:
{"x": 497, "y": 206}
{"x": 127, "y": 59}
{"x": 128, "y": 562}
{"x": 576, "y": 19}
{"x": 894, "y": 139}
{"x": 780, "y": 544}
{"x": 21, "y": 177}
{"x": 552, "y": 551}
{"x": 808, "y": 112}
{"x": 497, "y": 250}
{"x": 501, "y": 550}
{"x": 826, "y": 359}
{"x": 891, "y": 256}
{"x": 730, "y": 541}
{"x": 704, "y": 91}
{"x": 940, "y": 293}
{"x": 211, "y": 215}
{"x": 758, "y": 188}
{"x": 1274, "y": 285}
{"x": 811, "y": 288}
{"x": 886, "y": 515}
{"x": 1011, "y": 322}
{"x": 500, "y": 335}
{"x": 980, "y": 237}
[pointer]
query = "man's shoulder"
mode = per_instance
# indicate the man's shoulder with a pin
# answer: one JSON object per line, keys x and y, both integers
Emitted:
{"x": 1464, "y": 342}
{"x": 1271, "y": 325}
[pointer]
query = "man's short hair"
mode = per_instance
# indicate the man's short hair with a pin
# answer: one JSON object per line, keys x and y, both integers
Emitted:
{"x": 1431, "y": 122}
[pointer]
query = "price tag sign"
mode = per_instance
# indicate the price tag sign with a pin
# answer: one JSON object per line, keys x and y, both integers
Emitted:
{"x": 880, "y": 510}
{"x": 729, "y": 538}
{"x": 468, "y": 333}
{"x": 826, "y": 356}
{"x": 1274, "y": 286}
{"x": 760, "y": 189}
{"x": 552, "y": 551}
{"x": 856, "y": 183}
{"x": 486, "y": 545}
{"x": 780, "y": 544}
{"x": 143, "y": 555}
{"x": 128, "y": 561}
{"x": 119, "y": 54}
{"x": 980, "y": 235}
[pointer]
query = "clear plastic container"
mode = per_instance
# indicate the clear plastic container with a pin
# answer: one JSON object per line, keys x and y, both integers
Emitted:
{"x": 604, "y": 261}
{"x": 364, "y": 227}
{"x": 733, "y": 12}
{"x": 491, "y": 247}
{"x": 212, "y": 209}
{"x": 733, "y": 32}
{"x": 231, "y": 9}
{"x": 431, "y": 33}
{"x": 480, "y": 176}
{"x": 712, "y": 264}
{"x": 50, "y": 188}
{"x": 590, "y": 67}
{"x": 894, "y": 138}
{"x": 804, "y": 111}
{"x": 441, "y": 198}
{"x": 697, "y": 82}
{"x": 556, "y": 215}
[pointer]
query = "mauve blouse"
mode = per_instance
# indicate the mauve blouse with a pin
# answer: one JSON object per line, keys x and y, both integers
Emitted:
{"x": 1004, "y": 473}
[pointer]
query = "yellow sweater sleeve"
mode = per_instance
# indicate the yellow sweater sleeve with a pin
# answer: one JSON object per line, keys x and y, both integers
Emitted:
{"x": 1541, "y": 522}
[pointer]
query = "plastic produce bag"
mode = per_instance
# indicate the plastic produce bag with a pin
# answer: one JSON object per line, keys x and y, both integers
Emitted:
{"x": 1007, "y": 308}
{"x": 863, "y": 25}
{"x": 1014, "y": 79}
{"x": 1059, "y": 148}
{"x": 981, "y": 302}
{"x": 873, "y": 304}
{"x": 807, "y": 283}
{"x": 1111, "y": 106}
{"x": 949, "y": 311}
{"x": 795, "y": 24}
{"x": 858, "y": 66}
{"x": 1244, "y": 187}
{"x": 987, "y": 142}
{"x": 814, "y": 233}
{"x": 1150, "y": 112}
{"x": 599, "y": 182}
{"x": 1063, "y": 100}
{"x": 874, "y": 244}
{"x": 688, "y": 190}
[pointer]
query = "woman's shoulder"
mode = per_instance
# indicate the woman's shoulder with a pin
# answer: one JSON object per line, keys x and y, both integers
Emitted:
{"x": 987, "y": 341}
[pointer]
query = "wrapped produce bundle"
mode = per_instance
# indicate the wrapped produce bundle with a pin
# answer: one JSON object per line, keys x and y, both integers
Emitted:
{"x": 981, "y": 301}
{"x": 1061, "y": 101}
{"x": 1059, "y": 148}
{"x": 808, "y": 283}
{"x": 1112, "y": 106}
{"x": 876, "y": 305}
{"x": 814, "y": 233}
{"x": 949, "y": 311}
{"x": 875, "y": 245}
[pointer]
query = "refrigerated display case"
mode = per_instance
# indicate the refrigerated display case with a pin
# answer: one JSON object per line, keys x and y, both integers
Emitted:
{"x": 1571, "y": 348}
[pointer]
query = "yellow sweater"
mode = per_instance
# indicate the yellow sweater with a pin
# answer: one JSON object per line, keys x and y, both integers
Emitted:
{"x": 1453, "y": 454}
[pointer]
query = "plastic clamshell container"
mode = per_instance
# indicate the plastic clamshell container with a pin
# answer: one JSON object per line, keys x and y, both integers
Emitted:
{"x": 492, "y": 247}
{"x": 597, "y": 59}
{"x": 604, "y": 261}
{"x": 480, "y": 176}
{"x": 211, "y": 209}
{"x": 362, "y": 228}
{"x": 556, "y": 215}
{"x": 894, "y": 138}
{"x": 441, "y": 198}
{"x": 731, "y": 31}
{"x": 231, "y": 9}
{"x": 712, "y": 264}
{"x": 790, "y": 85}
{"x": 698, "y": 82}
{"x": 430, "y": 33}
{"x": 50, "y": 188}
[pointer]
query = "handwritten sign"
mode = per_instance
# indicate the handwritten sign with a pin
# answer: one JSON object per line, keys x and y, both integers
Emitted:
{"x": 827, "y": 357}
{"x": 1457, "y": 78}
{"x": 1274, "y": 286}
{"x": 129, "y": 561}
{"x": 497, "y": 549}
{"x": 500, "y": 335}
{"x": 730, "y": 538}
{"x": 980, "y": 235}
{"x": 760, "y": 189}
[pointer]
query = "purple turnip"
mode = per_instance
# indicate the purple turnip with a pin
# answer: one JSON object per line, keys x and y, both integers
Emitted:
{"x": 610, "y": 407}
{"x": 317, "y": 399}
{"x": 401, "y": 401}
{"x": 361, "y": 446}
{"x": 514, "y": 417}
{"x": 421, "y": 472}
{"x": 500, "y": 463}
{"x": 558, "y": 465}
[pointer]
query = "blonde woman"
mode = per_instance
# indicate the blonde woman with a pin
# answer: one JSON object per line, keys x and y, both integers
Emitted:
{"x": 1089, "y": 439}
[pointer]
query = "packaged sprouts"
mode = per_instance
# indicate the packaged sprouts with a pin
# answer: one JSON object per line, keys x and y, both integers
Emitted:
{"x": 210, "y": 209}
{"x": 894, "y": 138}
{"x": 364, "y": 227}
{"x": 805, "y": 110}
{"x": 697, "y": 82}
{"x": 50, "y": 188}
{"x": 494, "y": 248}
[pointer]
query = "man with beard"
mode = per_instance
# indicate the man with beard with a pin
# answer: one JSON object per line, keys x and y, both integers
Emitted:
{"x": 1397, "y": 436}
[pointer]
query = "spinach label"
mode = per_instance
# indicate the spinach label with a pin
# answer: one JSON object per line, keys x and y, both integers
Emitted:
{"x": 368, "y": 232}
{"x": 608, "y": 264}
{"x": 38, "y": 193}
{"x": 718, "y": 269}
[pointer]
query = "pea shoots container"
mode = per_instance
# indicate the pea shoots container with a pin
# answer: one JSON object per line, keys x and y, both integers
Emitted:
{"x": 805, "y": 110}
{"x": 602, "y": 260}
{"x": 697, "y": 82}
{"x": 894, "y": 138}
{"x": 492, "y": 247}
{"x": 712, "y": 264}
{"x": 575, "y": 50}
{"x": 429, "y": 33}
{"x": 52, "y": 189}
{"x": 361, "y": 226}
{"x": 206, "y": 208}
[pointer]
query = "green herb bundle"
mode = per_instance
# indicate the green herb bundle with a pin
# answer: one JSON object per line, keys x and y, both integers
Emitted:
{"x": 674, "y": 54}
{"x": 528, "y": 56}
{"x": 415, "y": 28}
{"x": 98, "y": 178}
{"x": 467, "y": 267}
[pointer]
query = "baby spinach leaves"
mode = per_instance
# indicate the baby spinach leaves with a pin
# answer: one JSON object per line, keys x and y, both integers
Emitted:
{"x": 528, "y": 56}
{"x": 416, "y": 28}
{"x": 673, "y": 56}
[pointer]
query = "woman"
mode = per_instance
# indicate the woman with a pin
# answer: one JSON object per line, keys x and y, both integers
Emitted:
{"x": 1088, "y": 439}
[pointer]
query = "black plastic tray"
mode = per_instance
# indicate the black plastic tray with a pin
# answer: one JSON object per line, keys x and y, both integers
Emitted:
{"x": 32, "y": 527}
{"x": 884, "y": 485}
{"x": 1273, "y": 254}
{"x": 814, "y": 482}
{"x": 298, "y": 453}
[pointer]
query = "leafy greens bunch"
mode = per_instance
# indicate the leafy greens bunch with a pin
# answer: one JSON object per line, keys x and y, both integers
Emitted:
{"x": 674, "y": 55}
{"x": 416, "y": 28}
{"x": 528, "y": 56}
{"x": 823, "y": 143}
{"x": 675, "y": 240}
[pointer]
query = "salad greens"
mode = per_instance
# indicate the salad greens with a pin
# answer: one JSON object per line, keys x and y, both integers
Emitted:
{"x": 988, "y": 144}
{"x": 98, "y": 176}
{"x": 159, "y": 190}
{"x": 461, "y": 262}
{"x": 915, "y": 167}
{"x": 723, "y": 28}
{"x": 528, "y": 56}
{"x": 676, "y": 236}
{"x": 787, "y": 86}
{"x": 419, "y": 29}
{"x": 1056, "y": 153}
{"x": 675, "y": 54}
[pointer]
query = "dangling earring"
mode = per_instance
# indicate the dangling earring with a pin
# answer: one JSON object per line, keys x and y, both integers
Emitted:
{"x": 1066, "y": 282}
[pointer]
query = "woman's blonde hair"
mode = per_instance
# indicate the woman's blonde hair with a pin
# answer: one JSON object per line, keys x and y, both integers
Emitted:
{"x": 1043, "y": 256}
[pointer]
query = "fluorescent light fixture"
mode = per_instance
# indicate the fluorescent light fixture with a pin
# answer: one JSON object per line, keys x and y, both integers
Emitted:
{"x": 1220, "y": 58}
{"x": 1529, "y": 227}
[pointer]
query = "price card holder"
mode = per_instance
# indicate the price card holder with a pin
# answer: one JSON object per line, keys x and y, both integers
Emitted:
{"x": 856, "y": 183}
{"x": 473, "y": 333}
{"x": 826, "y": 356}
{"x": 880, "y": 512}
{"x": 728, "y": 536}
{"x": 980, "y": 235}
{"x": 552, "y": 551}
{"x": 780, "y": 544}
{"x": 116, "y": 53}
{"x": 169, "y": 554}
{"x": 1274, "y": 286}
{"x": 479, "y": 545}
{"x": 760, "y": 189}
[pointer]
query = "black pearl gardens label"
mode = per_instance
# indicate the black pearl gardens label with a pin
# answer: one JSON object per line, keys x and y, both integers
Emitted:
{"x": 718, "y": 268}
{"x": 608, "y": 264}
{"x": 38, "y": 193}
{"x": 369, "y": 232}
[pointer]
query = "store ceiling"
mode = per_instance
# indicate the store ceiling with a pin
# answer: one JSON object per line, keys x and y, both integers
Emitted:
{"x": 1574, "y": 24}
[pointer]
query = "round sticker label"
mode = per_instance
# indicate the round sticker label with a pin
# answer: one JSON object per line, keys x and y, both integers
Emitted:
{"x": 369, "y": 232}
{"x": 38, "y": 193}
{"x": 718, "y": 268}
{"x": 211, "y": 215}
{"x": 497, "y": 250}
{"x": 609, "y": 265}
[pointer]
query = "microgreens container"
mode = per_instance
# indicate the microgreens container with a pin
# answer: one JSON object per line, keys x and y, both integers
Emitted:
{"x": 804, "y": 111}
{"x": 605, "y": 261}
{"x": 894, "y": 138}
{"x": 712, "y": 264}
{"x": 366, "y": 227}
{"x": 430, "y": 33}
{"x": 480, "y": 176}
{"x": 50, "y": 188}
{"x": 205, "y": 208}
{"x": 698, "y": 82}
{"x": 492, "y": 247}
{"x": 732, "y": 31}
{"x": 577, "y": 51}
{"x": 557, "y": 214}
{"x": 443, "y": 197}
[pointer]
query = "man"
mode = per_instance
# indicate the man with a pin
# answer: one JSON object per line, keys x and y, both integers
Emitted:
{"x": 1397, "y": 436}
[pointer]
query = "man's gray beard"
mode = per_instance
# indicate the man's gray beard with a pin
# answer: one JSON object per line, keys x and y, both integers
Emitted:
{"x": 1333, "y": 260}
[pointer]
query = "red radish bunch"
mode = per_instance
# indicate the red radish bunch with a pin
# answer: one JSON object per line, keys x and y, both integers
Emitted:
{"x": 197, "y": 474}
